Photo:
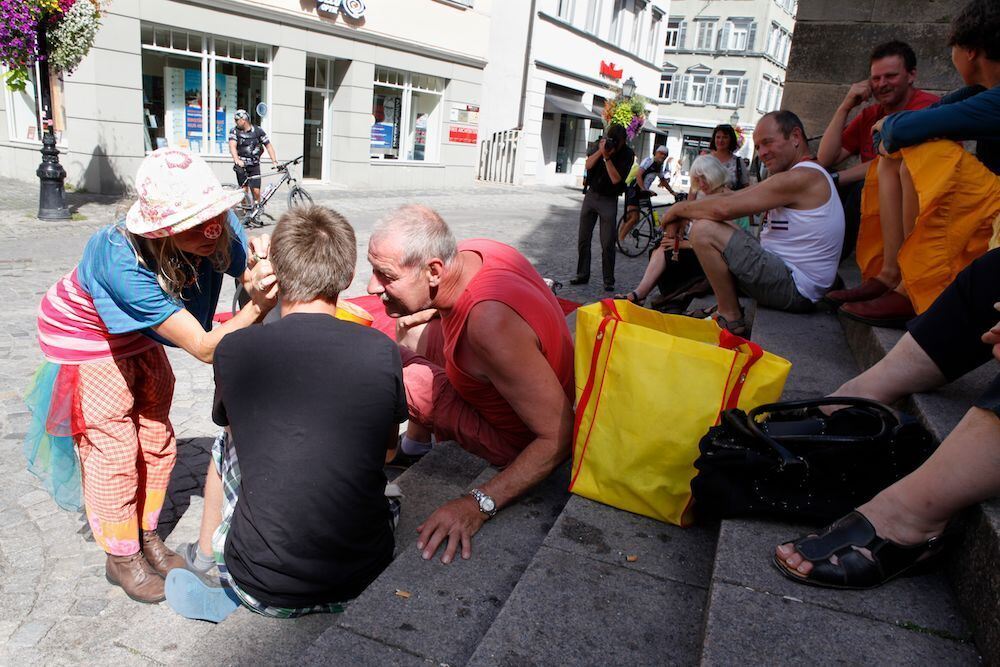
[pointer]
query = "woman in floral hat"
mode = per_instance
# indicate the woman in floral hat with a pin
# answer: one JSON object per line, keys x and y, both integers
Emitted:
{"x": 106, "y": 385}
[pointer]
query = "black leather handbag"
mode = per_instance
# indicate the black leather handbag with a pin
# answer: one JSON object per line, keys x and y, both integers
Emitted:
{"x": 791, "y": 460}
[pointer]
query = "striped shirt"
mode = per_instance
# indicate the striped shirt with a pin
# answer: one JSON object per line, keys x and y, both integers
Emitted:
{"x": 70, "y": 330}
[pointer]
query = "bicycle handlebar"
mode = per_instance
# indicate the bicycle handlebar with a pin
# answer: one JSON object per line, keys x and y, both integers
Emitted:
{"x": 284, "y": 165}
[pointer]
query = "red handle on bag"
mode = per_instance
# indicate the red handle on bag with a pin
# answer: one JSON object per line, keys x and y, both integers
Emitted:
{"x": 731, "y": 341}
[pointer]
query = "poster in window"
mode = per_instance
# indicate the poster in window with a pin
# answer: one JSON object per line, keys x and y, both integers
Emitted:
{"x": 174, "y": 114}
{"x": 193, "y": 128}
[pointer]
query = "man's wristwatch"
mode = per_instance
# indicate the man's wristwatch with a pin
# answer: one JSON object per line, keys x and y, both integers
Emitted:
{"x": 487, "y": 505}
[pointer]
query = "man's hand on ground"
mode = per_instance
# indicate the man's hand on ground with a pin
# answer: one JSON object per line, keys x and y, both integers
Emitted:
{"x": 456, "y": 521}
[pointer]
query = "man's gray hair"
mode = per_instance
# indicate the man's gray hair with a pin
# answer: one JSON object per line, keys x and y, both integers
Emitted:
{"x": 313, "y": 251}
{"x": 422, "y": 233}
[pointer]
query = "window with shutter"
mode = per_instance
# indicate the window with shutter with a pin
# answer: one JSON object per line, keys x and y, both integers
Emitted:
{"x": 742, "y": 99}
{"x": 724, "y": 36}
{"x": 751, "y": 36}
{"x": 682, "y": 33}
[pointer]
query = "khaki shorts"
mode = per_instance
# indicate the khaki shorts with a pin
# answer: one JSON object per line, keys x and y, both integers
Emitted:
{"x": 763, "y": 275}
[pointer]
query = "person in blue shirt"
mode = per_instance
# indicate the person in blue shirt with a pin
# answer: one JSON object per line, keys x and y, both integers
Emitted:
{"x": 936, "y": 203}
{"x": 106, "y": 386}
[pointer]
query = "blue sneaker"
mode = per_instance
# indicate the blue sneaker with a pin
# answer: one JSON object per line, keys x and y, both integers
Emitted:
{"x": 190, "y": 597}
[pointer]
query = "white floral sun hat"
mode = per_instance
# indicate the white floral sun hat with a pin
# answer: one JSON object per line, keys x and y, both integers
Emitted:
{"x": 177, "y": 191}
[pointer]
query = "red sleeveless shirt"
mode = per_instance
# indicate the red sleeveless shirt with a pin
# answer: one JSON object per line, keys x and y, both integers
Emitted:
{"x": 506, "y": 276}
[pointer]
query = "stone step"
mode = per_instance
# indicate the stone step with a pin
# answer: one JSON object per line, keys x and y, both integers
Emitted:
{"x": 606, "y": 587}
{"x": 973, "y": 569}
{"x": 419, "y": 611}
{"x": 756, "y": 616}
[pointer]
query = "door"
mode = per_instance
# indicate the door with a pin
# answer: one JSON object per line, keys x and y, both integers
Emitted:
{"x": 313, "y": 134}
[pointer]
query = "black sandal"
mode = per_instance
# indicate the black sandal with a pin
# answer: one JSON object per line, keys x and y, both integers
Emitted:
{"x": 854, "y": 571}
{"x": 736, "y": 327}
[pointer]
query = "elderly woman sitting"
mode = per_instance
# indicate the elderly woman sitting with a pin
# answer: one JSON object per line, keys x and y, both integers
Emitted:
{"x": 708, "y": 177}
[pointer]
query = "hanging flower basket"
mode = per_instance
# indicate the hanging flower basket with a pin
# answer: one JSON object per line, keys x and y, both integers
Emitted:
{"x": 629, "y": 112}
{"x": 71, "y": 26}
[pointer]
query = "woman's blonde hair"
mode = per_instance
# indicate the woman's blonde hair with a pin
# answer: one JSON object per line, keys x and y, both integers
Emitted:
{"x": 173, "y": 268}
{"x": 709, "y": 168}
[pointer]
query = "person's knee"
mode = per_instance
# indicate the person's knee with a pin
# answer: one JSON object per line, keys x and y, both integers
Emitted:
{"x": 708, "y": 235}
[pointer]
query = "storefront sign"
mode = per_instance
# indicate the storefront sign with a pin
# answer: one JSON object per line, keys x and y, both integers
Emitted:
{"x": 353, "y": 8}
{"x": 382, "y": 135}
{"x": 464, "y": 113}
{"x": 458, "y": 134}
{"x": 608, "y": 70}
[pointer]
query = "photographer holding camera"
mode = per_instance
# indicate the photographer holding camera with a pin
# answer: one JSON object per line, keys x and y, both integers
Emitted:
{"x": 607, "y": 167}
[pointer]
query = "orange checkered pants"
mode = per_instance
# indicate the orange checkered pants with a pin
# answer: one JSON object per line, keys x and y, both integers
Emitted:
{"x": 127, "y": 447}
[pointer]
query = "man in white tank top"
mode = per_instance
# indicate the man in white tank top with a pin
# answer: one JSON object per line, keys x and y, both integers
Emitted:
{"x": 795, "y": 262}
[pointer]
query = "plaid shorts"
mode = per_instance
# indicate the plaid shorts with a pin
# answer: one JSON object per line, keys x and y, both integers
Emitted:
{"x": 228, "y": 466}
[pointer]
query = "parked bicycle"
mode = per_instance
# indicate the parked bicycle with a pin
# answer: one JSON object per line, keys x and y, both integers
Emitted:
{"x": 646, "y": 232}
{"x": 252, "y": 214}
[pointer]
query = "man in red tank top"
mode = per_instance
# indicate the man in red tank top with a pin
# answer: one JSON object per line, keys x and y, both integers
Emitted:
{"x": 487, "y": 361}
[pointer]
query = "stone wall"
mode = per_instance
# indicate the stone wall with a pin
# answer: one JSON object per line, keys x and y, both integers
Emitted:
{"x": 834, "y": 37}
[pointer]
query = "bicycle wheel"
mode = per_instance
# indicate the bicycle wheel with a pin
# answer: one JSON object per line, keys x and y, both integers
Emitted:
{"x": 299, "y": 197}
{"x": 637, "y": 240}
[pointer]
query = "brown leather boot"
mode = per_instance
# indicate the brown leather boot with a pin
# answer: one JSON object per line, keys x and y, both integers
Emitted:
{"x": 136, "y": 577}
{"x": 158, "y": 554}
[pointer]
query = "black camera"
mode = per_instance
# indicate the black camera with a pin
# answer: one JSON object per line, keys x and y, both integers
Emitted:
{"x": 610, "y": 143}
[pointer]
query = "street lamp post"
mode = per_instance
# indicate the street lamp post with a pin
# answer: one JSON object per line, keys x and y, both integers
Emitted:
{"x": 51, "y": 174}
{"x": 628, "y": 88}
{"x": 734, "y": 119}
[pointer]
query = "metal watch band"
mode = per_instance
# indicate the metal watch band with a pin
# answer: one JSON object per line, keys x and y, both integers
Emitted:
{"x": 486, "y": 503}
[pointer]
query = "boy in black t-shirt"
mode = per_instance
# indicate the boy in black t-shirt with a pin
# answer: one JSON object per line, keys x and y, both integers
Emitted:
{"x": 305, "y": 522}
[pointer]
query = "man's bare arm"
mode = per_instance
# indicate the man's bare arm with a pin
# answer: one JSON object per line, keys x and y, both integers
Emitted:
{"x": 831, "y": 150}
{"x": 511, "y": 360}
{"x": 789, "y": 188}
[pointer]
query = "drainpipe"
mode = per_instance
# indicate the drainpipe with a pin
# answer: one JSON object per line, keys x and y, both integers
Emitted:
{"x": 524, "y": 72}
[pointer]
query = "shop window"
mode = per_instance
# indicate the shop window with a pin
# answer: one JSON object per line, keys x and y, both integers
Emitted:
{"x": 406, "y": 110}
{"x": 22, "y": 118}
{"x": 192, "y": 84}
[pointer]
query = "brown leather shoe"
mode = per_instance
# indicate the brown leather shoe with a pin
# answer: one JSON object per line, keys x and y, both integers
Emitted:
{"x": 158, "y": 554}
{"x": 891, "y": 310}
{"x": 870, "y": 289}
{"x": 136, "y": 577}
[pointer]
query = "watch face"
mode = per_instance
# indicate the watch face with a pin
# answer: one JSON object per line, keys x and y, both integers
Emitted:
{"x": 487, "y": 504}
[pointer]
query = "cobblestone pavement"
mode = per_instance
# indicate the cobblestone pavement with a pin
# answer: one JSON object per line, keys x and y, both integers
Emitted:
{"x": 55, "y": 606}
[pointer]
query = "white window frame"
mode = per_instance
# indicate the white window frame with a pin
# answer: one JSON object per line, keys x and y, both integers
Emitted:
{"x": 209, "y": 60}
{"x": 618, "y": 11}
{"x": 432, "y": 151}
{"x": 593, "y": 16}
{"x": 739, "y": 34}
{"x": 705, "y": 36}
{"x": 730, "y": 88}
{"x": 673, "y": 34}
{"x": 668, "y": 81}
{"x": 655, "y": 25}
{"x": 638, "y": 18}
{"x": 12, "y": 132}
{"x": 699, "y": 83}
{"x": 566, "y": 10}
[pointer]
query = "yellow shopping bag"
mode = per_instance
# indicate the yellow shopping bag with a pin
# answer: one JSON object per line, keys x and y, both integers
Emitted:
{"x": 648, "y": 387}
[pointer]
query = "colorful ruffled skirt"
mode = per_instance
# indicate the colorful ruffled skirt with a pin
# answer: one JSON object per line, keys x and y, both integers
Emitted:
{"x": 55, "y": 420}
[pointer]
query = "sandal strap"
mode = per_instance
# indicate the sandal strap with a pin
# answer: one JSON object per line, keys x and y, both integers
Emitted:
{"x": 853, "y": 530}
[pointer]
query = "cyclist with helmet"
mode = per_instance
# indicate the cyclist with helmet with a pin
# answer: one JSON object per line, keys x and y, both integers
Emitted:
{"x": 246, "y": 144}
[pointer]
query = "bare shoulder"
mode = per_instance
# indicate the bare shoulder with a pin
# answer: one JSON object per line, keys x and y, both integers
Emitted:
{"x": 805, "y": 187}
{"x": 492, "y": 324}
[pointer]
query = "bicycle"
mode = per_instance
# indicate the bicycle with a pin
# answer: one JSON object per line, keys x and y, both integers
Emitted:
{"x": 251, "y": 212}
{"x": 646, "y": 231}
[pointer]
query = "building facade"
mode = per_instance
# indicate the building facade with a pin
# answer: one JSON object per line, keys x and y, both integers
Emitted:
{"x": 387, "y": 93}
{"x": 552, "y": 64}
{"x": 724, "y": 61}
